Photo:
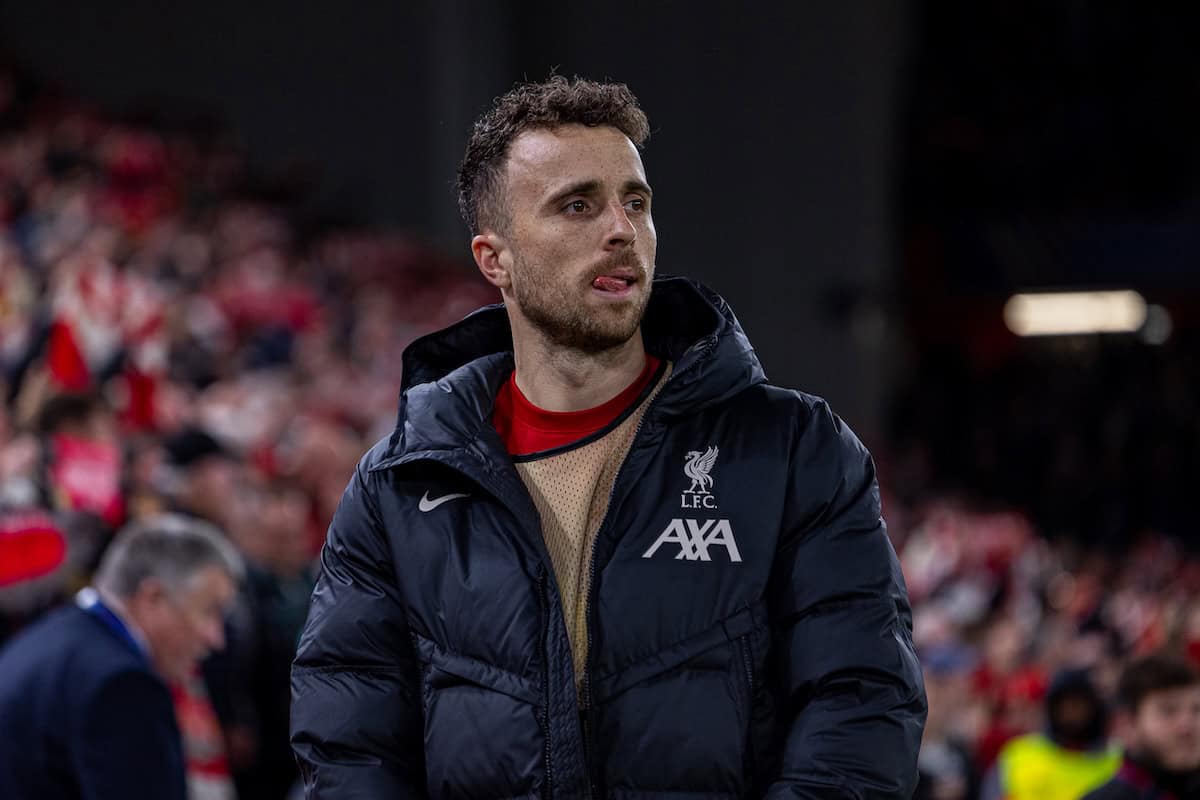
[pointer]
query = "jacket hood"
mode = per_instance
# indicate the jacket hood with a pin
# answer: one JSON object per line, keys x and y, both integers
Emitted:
{"x": 451, "y": 377}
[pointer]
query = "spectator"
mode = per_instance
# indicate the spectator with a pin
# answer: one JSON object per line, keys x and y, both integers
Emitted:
{"x": 60, "y": 496}
{"x": 83, "y": 465}
{"x": 1070, "y": 758}
{"x": 170, "y": 341}
{"x": 203, "y": 476}
{"x": 201, "y": 484}
{"x": 262, "y": 642}
{"x": 1159, "y": 720}
{"x": 84, "y": 704}
{"x": 946, "y": 768}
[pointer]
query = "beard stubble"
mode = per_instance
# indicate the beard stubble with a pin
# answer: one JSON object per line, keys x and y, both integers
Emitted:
{"x": 558, "y": 311}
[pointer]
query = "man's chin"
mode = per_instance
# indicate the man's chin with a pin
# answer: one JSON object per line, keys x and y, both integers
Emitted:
{"x": 1181, "y": 765}
{"x": 612, "y": 328}
{"x": 1178, "y": 763}
{"x": 606, "y": 339}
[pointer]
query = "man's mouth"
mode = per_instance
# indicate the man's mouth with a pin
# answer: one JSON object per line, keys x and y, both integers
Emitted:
{"x": 613, "y": 283}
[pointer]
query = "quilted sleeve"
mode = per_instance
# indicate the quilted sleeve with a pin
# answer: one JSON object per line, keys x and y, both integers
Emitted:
{"x": 356, "y": 713}
{"x": 851, "y": 686}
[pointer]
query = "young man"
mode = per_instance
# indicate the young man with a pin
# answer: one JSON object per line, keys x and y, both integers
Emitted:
{"x": 1159, "y": 722}
{"x": 600, "y": 556}
{"x": 85, "y": 711}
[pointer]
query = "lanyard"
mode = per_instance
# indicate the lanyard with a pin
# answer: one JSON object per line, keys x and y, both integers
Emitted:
{"x": 89, "y": 600}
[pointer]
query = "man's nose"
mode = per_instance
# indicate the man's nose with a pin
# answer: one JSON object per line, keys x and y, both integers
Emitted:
{"x": 621, "y": 230}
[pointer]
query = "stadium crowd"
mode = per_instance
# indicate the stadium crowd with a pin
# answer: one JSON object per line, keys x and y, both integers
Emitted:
{"x": 171, "y": 341}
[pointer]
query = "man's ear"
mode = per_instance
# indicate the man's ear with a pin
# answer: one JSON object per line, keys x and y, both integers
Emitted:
{"x": 493, "y": 257}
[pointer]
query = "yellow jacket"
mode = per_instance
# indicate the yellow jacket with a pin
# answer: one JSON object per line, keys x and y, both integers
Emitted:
{"x": 1033, "y": 767}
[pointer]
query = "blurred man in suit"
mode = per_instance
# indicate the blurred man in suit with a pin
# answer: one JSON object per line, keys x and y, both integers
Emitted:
{"x": 84, "y": 706}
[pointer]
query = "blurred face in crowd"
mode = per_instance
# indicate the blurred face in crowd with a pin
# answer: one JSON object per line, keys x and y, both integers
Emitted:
{"x": 286, "y": 517}
{"x": 1077, "y": 720}
{"x": 208, "y": 486}
{"x": 273, "y": 530}
{"x": 1165, "y": 729}
{"x": 575, "y": 255}
{"x": 97, "y": 425}
{"x": 183, "y": 625}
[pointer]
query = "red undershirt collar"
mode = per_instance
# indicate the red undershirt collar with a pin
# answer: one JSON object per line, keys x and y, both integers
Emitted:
{"x": 525, "y": 428}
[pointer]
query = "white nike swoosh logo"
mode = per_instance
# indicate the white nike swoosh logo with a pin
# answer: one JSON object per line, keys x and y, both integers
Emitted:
{"x": 429, "y": 505}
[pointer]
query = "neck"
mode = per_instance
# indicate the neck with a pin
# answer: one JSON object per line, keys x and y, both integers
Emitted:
{"x": 561, "y": 379}
{"x": 121, "y": 609}
{"x": 1155, "y": 769}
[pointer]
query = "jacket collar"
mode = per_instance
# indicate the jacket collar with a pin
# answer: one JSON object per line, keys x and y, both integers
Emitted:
{"x": 451, "y": 377}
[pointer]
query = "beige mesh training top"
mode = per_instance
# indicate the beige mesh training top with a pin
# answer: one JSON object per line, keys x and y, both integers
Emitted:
{"x": 571, "y": 490}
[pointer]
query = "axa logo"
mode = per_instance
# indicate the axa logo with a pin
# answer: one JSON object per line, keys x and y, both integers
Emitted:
{"x": 696, "y": 537}
{"x": 698, "y": 468}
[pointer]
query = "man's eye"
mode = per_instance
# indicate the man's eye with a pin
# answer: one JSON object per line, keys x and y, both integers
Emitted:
{"x": 636, "y": 204}
{"x": 576, "y": 207}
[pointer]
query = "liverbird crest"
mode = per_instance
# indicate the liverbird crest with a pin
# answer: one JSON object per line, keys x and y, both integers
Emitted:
{"x": 698, "y": 467}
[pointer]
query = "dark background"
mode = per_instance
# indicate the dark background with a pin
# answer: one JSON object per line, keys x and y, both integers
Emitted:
{"x": 773, "y": 150}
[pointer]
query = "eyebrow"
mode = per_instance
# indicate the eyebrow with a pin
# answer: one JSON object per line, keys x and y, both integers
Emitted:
{"x": 590, "y": 187}
{"x": 638, "y": 186}
{"x": 582, "y": 187}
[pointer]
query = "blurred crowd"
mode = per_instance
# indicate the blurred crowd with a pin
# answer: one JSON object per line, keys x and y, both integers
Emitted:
{"x": 1002, "y": 615}
{"x": 1042, "y": 493}
{"x": 171, "y": 340}
{"x": 1041, "y": 497}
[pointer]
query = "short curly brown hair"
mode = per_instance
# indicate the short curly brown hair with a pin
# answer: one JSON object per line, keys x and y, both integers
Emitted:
{"x": 528, "y": 106}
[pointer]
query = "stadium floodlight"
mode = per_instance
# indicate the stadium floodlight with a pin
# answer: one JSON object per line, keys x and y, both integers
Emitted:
{"x": 1061, "y": 313}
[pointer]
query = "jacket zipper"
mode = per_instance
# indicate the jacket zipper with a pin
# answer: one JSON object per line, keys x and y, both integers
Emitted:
{"x": 747, "y": 661}
{"x": 586, "y": 690}
{"x": 588, "y": 733}
{"x": 748, "y": 665}
{"x": 545, "y": 715}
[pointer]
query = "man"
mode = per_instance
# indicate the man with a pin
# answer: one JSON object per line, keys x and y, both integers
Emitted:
{"x": 1070, "y": 758}
{"x": 600, "y": 556}
{"x": 261, "y": 642}
{"x": 200, "y": 481}
{"x": 85, "y": 711}
{"x": 1159, "y": 721}
{"x": 201, "y": 476}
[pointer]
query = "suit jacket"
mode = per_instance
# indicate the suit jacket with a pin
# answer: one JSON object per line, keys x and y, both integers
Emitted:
{"x": 84, "y": 715}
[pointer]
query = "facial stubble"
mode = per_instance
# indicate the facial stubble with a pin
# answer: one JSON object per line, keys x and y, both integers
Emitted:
{"x": 566, "y": 321}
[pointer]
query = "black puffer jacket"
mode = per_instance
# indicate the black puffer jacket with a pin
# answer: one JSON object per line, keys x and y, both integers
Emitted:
{"x": 761, "y": 649}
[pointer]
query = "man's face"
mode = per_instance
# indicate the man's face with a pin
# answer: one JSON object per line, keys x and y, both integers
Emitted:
{"x": 1076, "y": 719}
{"x": 208, "y": 486}
{"x": 579, "y": 243}
{"x": 184, "y": 625}
{"x": 1166, "y": 728}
